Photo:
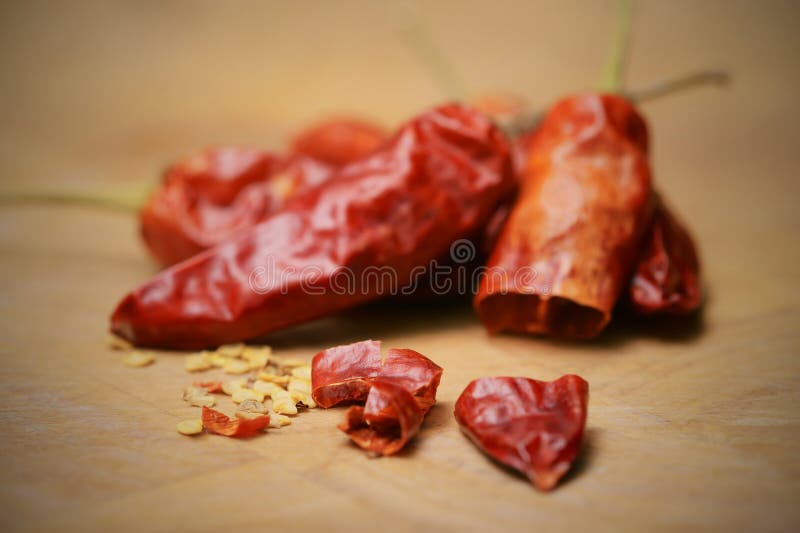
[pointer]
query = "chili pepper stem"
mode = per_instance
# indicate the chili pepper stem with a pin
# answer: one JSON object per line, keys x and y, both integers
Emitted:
{"x": 614, "y": 72}
{"x": 677, "y": 84}
{"x": 119, "y": 203}
{"x": 419, "y": 40}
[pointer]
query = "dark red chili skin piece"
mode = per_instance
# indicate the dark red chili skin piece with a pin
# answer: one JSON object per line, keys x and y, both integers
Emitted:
{"x": 438, "y": 180}
{"x": 667, "y": 275}
{"x": 533, "y": 426}
{"x": 567, "y": 250}
{"x": 390, "y": 418}
{"x": 344, "y": 374}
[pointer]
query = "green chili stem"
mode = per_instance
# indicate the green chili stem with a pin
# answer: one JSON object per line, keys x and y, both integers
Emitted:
{"x": 119, "y": 203}
{"x": 429, "y": 55}
{"x": 614, "y": 73}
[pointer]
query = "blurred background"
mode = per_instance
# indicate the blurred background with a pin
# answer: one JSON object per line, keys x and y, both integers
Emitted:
{"x": 115, "y": 90}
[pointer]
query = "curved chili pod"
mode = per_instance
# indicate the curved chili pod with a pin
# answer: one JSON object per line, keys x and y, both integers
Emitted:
{"x": 346, "y": 373}
{"x": 667, "y": 275}
{"x": 436, "y": 181}
{"x": 570, "y": 242}
{"x": 533, "y": 426}
{"x": 209, "y": 196}
{"x": 339, "y": 141}
{"x": 390, "y": 418}
{"x": 221, "y": 424}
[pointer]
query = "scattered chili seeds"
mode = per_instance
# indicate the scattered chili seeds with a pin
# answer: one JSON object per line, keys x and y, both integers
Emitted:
{"x": 198, "y": 363}
{"x": 198, "y": 397}
{"x": 193, "y": 426}
{"x": 138, "y": 359}
{"x": 241, "y": 395}
{"x": 278, "y": 421}
{"x": 236, "y": 366}
{"x": 118, "y": 343}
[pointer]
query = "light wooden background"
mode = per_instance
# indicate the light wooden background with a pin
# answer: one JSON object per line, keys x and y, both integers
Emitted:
{"x": 691, "y": 427}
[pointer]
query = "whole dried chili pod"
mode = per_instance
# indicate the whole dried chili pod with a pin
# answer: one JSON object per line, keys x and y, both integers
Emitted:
{"x": 346, "y": 373}
{"x": 389, "y": 419}
{"x": 666, "y": 279}
{"x": 569, "y": 245}
{"x": 206, "y": 198}
{"x": 438, "y": 180}
{"x": 533, "y": 426}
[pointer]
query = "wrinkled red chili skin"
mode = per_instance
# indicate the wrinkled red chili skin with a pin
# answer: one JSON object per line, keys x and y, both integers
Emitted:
{"x": 390, "y": 418}
{"x": 438, "y": 180}
{"x": 344, "y": 374}
{"x": 568, "y": 247}
{"x": 533, "y": 426}
{"x": 209, "y": 196}
{"x": 212, "y": 195}
{"x": 667, "y": 275}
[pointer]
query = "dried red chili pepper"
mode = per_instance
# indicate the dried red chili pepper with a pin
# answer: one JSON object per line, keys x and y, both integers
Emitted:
{"x": 209, "y": 196}
{"x": 389, "y": 419}
{"x": 533, "y": 426}
{"x": 667, "y": 275}
{"x": 437, "y": 180}
{"x": 219, "y": 423}
{"x": 570, "y": 242}
{"x": 346, "y": 373}
{"x": 339, "y": 141}
{"x": 212, "y": 387}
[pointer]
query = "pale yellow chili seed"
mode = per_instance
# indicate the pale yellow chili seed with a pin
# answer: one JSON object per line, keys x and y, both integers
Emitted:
{"x": 138, "y": 359}
{"x": 190, "y": 427}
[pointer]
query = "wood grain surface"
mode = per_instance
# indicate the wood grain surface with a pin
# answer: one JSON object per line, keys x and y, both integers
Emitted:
{"x": 692, "y": 426}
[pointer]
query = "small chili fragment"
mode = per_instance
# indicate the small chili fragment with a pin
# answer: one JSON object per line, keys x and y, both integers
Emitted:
{"x": 221, "y": 424}
{"x": 533, "y": 426}
{"x": 667, "y": 275}
{"x": 390, "y": 418}
{"x": 212, "y": 387}
{"x": 345, "y": 373}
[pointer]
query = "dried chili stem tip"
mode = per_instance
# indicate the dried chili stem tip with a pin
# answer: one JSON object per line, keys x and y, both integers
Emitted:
{"x": 533, "y": 426}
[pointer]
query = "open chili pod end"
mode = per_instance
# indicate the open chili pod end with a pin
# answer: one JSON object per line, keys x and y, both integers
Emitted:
{"x": 343, "y": 373}
{"x": 533, "y": 426}
{"x": 390, "y": 418}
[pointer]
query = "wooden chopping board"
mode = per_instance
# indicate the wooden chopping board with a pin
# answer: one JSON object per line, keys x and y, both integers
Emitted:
{"x": 691, "y": 426}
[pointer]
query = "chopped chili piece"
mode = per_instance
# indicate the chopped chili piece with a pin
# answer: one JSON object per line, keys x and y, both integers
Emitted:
{"x": 570, "y": 243}
{"x": 346, "y": 373}
{"x": 437, "y": 180}
{"x": 212, "y": 387}
{"x": 389, "y": 419}
{"x": 533, "y": 426}
{"x": 221, "y": 424}
{"x": 667, "y": 275}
